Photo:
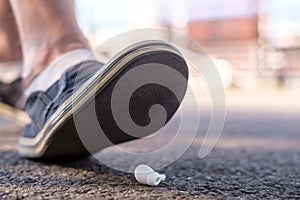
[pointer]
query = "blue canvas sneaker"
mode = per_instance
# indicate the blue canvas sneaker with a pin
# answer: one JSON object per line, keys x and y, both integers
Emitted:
{"x": 85, "y": 91}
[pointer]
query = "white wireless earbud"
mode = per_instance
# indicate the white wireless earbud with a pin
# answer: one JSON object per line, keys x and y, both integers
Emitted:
{"x": 146, "y": 175}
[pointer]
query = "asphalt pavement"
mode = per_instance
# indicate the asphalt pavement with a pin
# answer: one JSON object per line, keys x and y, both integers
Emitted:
{"x": 257, "y": 157}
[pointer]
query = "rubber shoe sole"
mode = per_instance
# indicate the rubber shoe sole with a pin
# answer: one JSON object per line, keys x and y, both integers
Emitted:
{"x": 59, "y": 136}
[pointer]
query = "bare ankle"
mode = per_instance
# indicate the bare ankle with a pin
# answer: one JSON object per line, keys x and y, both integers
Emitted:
{"x": 39, "y": 56}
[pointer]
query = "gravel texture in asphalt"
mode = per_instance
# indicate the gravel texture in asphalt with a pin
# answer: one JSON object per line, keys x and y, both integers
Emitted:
{"x": 257, "y": 157}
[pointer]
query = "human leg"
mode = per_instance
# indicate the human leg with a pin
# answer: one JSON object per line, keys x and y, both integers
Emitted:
{"x": 10, "y": 56}
{"x": 47, "y": 30}
{"x": 10, "y": 46}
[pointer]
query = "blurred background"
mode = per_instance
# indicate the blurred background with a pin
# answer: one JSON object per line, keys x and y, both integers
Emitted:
{"x": 255, "y": 46}
{"x": 254, "y": 43}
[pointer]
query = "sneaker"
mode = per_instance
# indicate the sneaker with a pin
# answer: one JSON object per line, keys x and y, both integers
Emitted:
{"x": 11, "y": 83}
{"x": 11, "y": 103}
{"x": 86, "y": 89}
{"x": 11, "y": 93}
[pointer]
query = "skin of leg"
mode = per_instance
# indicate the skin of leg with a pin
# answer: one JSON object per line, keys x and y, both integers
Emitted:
{"x": 10, "y": 46}
{"x": 48, "y": 29}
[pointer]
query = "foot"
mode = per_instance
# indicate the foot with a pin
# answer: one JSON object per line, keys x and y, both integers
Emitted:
{"x": 63, "y": 116}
